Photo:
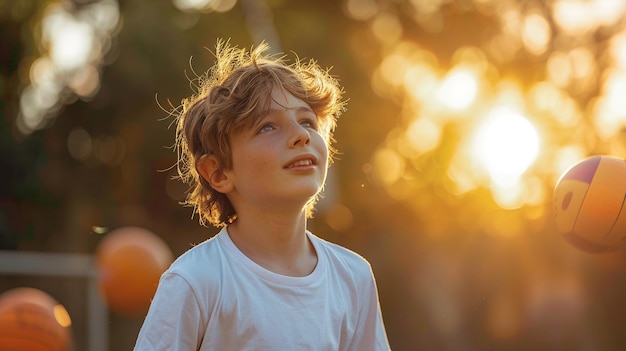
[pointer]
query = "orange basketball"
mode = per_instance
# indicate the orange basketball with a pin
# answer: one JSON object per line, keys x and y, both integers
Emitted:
{"x": 31, "y": 320}
{"x": 589, "y": 204}
{"x": 130, "y": 261}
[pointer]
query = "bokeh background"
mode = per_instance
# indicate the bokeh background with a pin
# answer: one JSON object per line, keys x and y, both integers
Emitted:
{"x": 462, "y": 116}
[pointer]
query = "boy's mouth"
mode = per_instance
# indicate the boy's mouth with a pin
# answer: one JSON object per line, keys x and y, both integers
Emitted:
{"x": 306, "y": 162}
{"x": 301, "y": 162}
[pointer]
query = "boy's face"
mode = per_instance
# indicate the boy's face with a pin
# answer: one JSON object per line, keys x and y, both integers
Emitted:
{"x": 282, "y": 160}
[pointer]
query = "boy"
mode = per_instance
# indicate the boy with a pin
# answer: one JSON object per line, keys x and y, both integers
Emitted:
{"x": 254, "y": 146}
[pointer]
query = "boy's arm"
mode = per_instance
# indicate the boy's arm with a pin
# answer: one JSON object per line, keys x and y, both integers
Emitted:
{"x": 370, "y": 334}
{"x": 173, "y": 321}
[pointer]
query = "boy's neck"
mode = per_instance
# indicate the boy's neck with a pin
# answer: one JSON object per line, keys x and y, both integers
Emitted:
{"x": 278, "y": 245}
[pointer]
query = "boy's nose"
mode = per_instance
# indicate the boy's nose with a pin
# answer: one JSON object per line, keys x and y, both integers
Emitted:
{"x": 300, "y": 137}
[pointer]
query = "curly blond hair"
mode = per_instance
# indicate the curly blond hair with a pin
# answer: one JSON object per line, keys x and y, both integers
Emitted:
{"x": 233, "y": 95}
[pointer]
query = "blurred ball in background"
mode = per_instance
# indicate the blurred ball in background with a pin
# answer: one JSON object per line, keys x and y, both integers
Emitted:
{"x": 589, "y": 204}
{"x": 130, "y": 261}
{"x": 31, "y": 320}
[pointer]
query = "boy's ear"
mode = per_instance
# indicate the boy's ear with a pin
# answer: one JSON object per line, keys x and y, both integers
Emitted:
{"x": 209, "y": 168}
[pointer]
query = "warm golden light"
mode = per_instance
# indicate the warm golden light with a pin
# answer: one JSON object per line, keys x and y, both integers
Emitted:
{"x": 388, "y": 166}
{"x": 506, "y": 145}
{"x": 618, "y": 50}
{"x": 565, "y": 157}
{"x": 536, "y": 34}
{"x": 420, "y": 82}
{"x": 578, "y": 16}
{"x": 361, "y": 9}
{"x": 204, "y": 5}
{"x": 386, "y": 27}
{"x": 458, "y": 90}
{"x": 393, "y": 68}
{"x": 610, "y": 116}
{"x": 423, "y": 135}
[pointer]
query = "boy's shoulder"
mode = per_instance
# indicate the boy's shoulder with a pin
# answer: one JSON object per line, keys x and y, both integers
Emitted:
{"x": 340, "y": 256}
{"x": 197, "y": 258}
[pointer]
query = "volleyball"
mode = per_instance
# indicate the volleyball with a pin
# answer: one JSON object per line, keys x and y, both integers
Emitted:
{"x": 130, "y": 261}
{"x": 31, "y": 320}
{"x": 589, "y": 204}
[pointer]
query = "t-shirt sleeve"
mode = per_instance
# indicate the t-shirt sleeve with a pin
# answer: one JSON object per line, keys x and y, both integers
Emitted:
{"x": 174, "y": 321}
{"x": 370, "y": 334}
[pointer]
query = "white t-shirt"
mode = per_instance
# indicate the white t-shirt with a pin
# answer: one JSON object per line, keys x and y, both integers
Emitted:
{"x": 213, "y": 297}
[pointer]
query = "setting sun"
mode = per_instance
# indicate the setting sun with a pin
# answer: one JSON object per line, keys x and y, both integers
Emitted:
{"x": 506, "y": 145}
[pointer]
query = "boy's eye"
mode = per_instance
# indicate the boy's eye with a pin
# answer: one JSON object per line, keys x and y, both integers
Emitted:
{"x": 266, "y": 128}
{"x": 309, "y": 123}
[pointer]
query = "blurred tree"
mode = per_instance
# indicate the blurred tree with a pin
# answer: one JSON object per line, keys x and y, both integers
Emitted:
{"x": 20, "y": 158}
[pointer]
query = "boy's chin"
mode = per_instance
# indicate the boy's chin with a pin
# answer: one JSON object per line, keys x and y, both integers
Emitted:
{"x": 309, "y": 196}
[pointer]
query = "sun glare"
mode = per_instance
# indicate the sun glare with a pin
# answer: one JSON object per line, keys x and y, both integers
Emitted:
{"x": 458, "y": 90}
{"x": 506, "y": 145}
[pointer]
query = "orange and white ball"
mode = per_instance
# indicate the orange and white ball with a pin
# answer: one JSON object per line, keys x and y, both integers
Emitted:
{"x": 31, "y": 320}
{"x": 590, "y": 204}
